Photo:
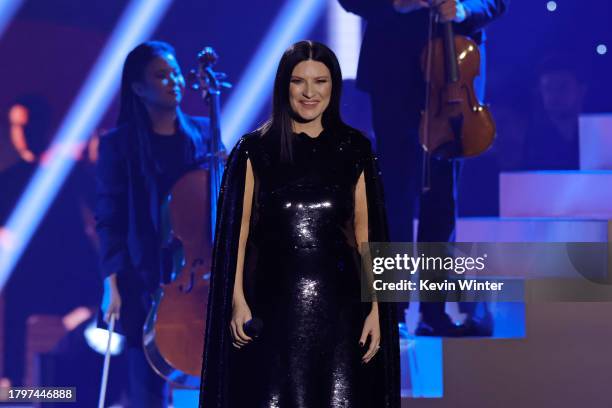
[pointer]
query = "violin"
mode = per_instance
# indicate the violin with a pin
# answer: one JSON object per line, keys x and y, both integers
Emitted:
{"x": 454, "y": 124}
{"x": 174, "y": 329}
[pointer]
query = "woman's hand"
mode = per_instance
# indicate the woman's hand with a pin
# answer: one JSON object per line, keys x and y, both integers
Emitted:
{"x": 371, "y": 328}
{"x": 111, "y": 292}
{"x": 241, "y": 313}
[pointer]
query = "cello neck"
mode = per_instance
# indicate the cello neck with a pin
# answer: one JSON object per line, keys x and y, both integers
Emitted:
{"x": 215, "y": 123}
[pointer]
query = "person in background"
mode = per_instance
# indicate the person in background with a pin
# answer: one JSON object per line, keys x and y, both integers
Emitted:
{"x": 56, "y": 272}
{"x": 553, "y": 128}
{"x": 154, "y": 144}
{"x": 390, "y": 71}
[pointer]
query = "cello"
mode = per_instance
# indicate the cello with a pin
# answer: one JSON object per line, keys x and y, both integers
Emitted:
{"x": 173, "y": 337}
{"x": 454, "y": 124}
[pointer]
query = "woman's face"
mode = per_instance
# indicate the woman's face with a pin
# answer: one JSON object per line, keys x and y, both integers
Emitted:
{"x": 310, "y": 90}
{"x": 162, "y": 85}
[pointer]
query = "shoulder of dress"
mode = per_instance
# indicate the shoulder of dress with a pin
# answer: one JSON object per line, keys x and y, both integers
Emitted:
{"x": 360, "y": 143}
{"x": 248, "y": 141}
{"x": 355, "y": 135}
{"x": 242, "y": 147}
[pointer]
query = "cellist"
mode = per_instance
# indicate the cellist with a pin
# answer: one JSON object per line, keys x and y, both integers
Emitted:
{"x": 154, "y": 144}
{"x": 390, "y": 71}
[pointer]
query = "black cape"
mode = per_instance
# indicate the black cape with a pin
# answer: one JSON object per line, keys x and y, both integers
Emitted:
{"x": 384, "y": 369}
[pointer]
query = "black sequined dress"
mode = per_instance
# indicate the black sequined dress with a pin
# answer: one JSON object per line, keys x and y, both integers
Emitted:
{"x": 301, "y": 278}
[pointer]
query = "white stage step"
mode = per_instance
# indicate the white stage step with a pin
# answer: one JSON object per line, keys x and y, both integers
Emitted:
{"x": 596, "y": 141}
{"x": 573, "y": 194}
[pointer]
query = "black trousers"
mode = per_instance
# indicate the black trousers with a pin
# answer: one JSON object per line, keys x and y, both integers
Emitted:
{"x": 146, "y": 388}
{"x": 396, "y": 117}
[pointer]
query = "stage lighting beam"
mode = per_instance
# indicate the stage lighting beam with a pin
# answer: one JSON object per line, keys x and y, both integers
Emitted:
{"x": 293, "y": 22}
{"x": 136, "y": 24}
{"x": 8, "y": 9}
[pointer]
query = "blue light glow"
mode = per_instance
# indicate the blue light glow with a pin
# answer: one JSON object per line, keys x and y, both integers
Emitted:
{"x": 602, "y": 49}
{"x": 551, "y": 5}
{"x": 8, "y": 9}
{"x": 344, "y": 37}
{"x": 137, "y": 23}
{"x": 97, "y": 339}
{"x": 294, "y": 21}
{"x": 426, "y": 367}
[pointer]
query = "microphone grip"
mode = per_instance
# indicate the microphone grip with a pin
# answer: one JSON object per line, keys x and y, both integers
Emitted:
{"x": 253, "y": 327}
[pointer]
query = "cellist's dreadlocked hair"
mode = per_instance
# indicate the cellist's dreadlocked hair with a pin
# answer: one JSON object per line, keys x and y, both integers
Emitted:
{"x": 132, "y": 111}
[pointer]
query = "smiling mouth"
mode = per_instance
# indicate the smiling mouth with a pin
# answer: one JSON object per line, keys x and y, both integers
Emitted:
{"x": 309, "y": 103}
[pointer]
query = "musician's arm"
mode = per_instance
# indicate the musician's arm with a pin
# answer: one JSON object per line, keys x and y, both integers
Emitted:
{"x": 111, "y": 207}
{"x": 482, "y": 12}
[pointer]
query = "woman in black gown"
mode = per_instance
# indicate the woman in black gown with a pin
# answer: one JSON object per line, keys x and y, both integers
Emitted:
{"x": 299, "y": 195}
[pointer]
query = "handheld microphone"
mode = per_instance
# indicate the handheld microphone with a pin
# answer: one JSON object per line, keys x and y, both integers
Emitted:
{"x": 253, "y": 327}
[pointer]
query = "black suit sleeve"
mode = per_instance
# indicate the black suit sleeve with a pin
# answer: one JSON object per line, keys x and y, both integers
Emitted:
{"x": 111, "y": 207}
{"x": 482, "y": 12}
{"x": 370, "y": 9}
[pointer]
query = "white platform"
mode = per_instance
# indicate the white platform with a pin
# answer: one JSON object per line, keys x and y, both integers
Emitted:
{"x": 535, "y": 261}
{"x": 575, "y": 194}
{"x": 596, "y": 141}
{"x": 491, "y": 229}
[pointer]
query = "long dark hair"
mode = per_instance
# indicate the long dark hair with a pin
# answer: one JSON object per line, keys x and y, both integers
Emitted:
{"x": 282, "y": 114}
{"x": 132, "y": 111}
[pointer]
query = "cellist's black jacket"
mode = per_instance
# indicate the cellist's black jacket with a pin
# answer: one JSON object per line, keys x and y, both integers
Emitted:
{"x": 127, "y": 215}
